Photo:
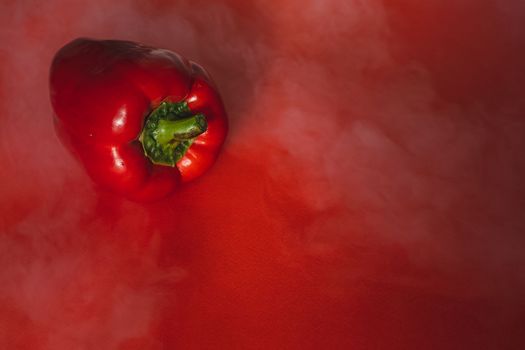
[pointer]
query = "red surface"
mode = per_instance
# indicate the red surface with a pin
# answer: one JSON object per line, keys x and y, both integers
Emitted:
{"x": 370, "y": 194}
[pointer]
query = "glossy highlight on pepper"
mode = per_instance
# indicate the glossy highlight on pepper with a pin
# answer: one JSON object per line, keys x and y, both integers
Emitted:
{"x": 141, "y": 120}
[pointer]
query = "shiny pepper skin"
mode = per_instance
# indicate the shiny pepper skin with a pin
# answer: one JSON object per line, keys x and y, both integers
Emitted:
{"x": 141, "y": 120}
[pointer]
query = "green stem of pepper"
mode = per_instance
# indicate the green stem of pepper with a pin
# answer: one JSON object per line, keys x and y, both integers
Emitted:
{"x": 169, "y": 131}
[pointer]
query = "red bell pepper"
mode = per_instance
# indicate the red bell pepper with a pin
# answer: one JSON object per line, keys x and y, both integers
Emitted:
{"x": 141, "y": 120}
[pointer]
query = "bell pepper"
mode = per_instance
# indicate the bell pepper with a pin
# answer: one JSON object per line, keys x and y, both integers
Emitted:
{"x": 141, "y": 120}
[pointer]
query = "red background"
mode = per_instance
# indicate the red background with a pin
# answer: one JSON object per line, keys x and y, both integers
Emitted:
{"x": 370, "y": 194}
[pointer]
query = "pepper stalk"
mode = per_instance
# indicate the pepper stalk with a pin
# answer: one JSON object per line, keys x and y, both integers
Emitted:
{"x": 169, "y": 132}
